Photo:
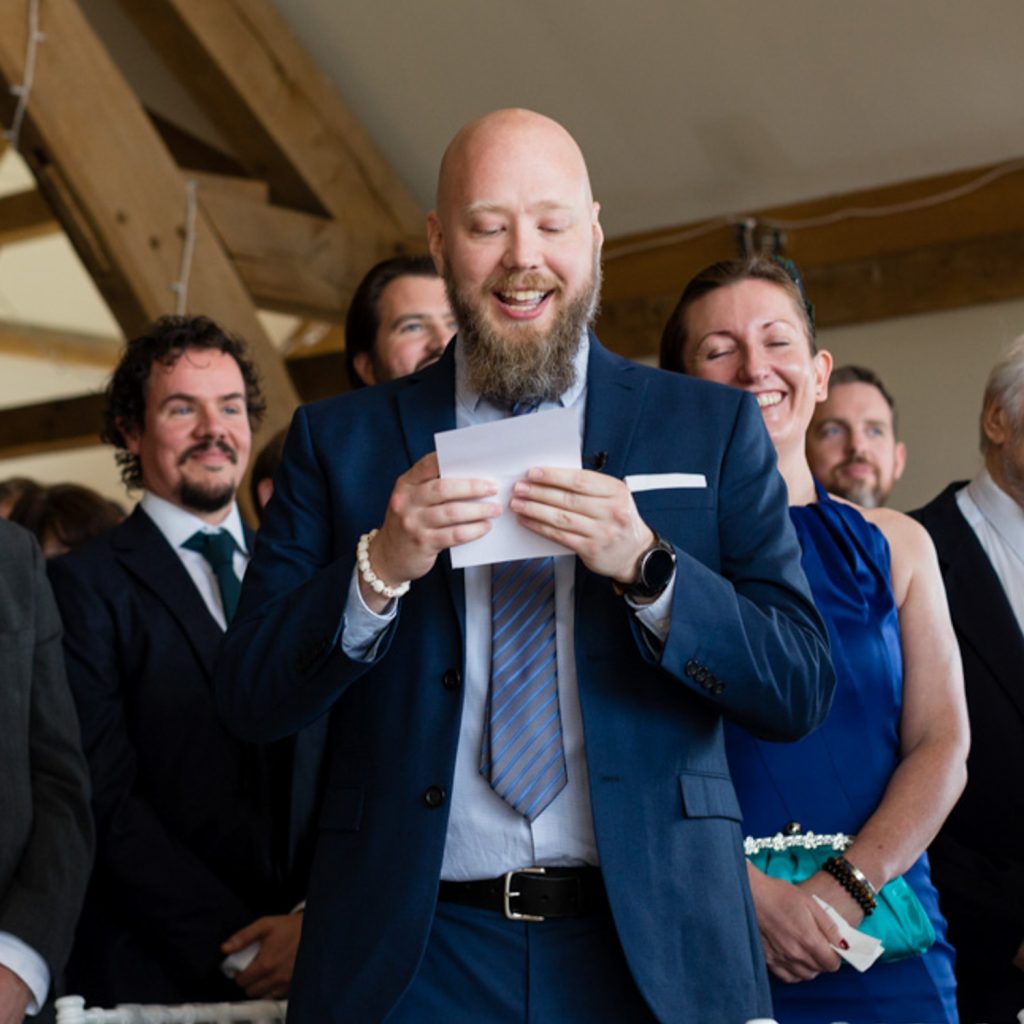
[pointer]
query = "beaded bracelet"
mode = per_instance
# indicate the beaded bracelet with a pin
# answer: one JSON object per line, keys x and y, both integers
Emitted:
{"x": 843, "y": 872}
{"x": 372, "y": 579}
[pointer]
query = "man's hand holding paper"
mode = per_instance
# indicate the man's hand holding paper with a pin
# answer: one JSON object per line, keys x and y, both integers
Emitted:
{"x": 426, "y": 515}
{"x": 505, "y": 452}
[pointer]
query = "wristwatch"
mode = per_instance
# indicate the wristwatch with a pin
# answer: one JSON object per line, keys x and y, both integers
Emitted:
{"x": 657, "y": 564}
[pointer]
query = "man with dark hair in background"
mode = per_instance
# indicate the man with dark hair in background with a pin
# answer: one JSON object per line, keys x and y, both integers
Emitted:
{"x": 189, "y": 864}
{"x": 851, "y": 444}
{"x": 12, "y": 490}
{"x": 264, "y": 466}
{"x": 46, "y": 830}
{"x": 399, "y": 321}
{"x": 978, "y": 856}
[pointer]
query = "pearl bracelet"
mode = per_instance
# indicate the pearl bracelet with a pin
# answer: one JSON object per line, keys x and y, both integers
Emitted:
{"x": 373, "y": 581}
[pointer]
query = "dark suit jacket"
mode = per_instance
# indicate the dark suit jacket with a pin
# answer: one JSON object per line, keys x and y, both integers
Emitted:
{"x": 46, "y": 833}
{"x": 978, "y": 858}
{"x": 745, "y": 641}
{"x": 186, "y": 854}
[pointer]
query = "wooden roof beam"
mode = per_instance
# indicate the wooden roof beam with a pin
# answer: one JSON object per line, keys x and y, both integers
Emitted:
{"x": 25, "y": 215}
{"x": 959, "y": 252}
{"x": 117, "y": 191}
{"x": 279, "y": 112}
{"x": 28, "y": 340}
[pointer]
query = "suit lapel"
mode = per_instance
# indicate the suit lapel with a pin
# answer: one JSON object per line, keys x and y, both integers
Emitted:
{"x": 144, "y": 552}
{"x": 426, "y": 406}
{"x": 615, "y": 395}
{"x": 977, "y": 601}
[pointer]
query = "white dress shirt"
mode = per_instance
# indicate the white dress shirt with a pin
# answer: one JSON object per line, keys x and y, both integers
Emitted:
{"x": 177, "y": 525}
{"x": 27, "y": 964}
{"x": 486, "y": 837}
{"x": 998, "y": 523}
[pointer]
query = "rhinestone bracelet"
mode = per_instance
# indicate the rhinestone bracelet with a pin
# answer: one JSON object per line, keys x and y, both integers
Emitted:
{"x": 373, "y": 581}
{"x": 803, "y": 840}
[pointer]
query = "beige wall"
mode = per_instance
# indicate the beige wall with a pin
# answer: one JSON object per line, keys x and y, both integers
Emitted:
{"x": 935, "y": 366}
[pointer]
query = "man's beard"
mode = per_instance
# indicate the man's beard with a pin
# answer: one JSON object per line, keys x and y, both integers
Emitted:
{"x": 866, "y": 493}
{"x": 209, "y": 496}
{"x": 521, "y": 364}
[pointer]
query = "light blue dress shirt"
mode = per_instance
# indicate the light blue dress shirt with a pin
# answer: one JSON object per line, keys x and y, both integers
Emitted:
{"x": 486, "y": 837}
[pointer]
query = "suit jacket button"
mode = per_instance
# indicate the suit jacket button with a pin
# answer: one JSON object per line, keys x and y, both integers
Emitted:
{"x": 701, "y": 675}
{"x": 690, "y": 668}
{"x": 451, "y": 679}
{"x": 434, "y": 796}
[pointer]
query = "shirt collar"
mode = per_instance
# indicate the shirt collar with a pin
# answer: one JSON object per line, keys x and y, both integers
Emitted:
{"x": 470, "y": 399}
{"x": 178, "y": 524}
{"x": 1002, "y": 512}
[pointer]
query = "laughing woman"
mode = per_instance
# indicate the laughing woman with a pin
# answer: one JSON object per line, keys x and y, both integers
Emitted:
{"x": 888, "y": 764}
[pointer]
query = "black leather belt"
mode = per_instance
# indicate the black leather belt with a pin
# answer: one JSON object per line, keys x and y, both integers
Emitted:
{"x": 533, "y": 894}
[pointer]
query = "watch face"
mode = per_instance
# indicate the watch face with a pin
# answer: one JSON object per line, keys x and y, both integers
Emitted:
{"x": 656, "y": 569}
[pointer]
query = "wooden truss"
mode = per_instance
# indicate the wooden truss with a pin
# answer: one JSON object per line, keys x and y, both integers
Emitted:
{"x": 305, "y": 203}
{"x": 311, "y": 204}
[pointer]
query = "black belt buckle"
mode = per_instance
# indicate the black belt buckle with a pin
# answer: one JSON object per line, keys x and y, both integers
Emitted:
{"x": 508, "y": 895}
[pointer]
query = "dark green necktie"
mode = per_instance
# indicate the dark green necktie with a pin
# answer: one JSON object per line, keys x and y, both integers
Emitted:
{"x": 219, "y": 550}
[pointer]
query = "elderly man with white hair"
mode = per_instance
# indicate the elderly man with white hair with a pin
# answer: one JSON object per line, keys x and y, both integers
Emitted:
{"x": 978, "y": 857}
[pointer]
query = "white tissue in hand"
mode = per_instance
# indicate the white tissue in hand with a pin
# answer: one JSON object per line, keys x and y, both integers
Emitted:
{"x": 237, "y": 962}
{"x": 864, "y": 949}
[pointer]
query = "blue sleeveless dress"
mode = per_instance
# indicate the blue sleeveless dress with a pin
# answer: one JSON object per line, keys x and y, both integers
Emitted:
{"x": 832, "y": 780}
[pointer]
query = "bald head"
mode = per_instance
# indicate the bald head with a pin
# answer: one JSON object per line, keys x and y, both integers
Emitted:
{"x": 507, "y": 138}
{"x": 517, "y": 238}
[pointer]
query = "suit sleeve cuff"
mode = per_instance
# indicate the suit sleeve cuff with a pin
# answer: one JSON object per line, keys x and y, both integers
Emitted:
{"x": 656, "y": 617}
{"x": 27, "y": 964}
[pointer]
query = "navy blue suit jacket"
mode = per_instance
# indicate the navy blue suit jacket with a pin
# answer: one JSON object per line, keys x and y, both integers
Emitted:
{"x": 185, "y": 813}
{"x": 745, "y": 641}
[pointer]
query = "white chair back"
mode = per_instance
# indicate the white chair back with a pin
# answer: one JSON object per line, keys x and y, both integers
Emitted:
{"x": 72, "y": 1010}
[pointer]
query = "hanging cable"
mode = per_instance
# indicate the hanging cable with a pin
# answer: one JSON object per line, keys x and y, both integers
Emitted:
{"x": 22, "y": 91}
{"x": 835, "y": 217}
{"x": 911, "y": 205}
{"x": 180, "y": 287}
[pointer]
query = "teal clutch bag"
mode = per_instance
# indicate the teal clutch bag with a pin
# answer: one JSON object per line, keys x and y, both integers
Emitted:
{"x": 898, "y": 921}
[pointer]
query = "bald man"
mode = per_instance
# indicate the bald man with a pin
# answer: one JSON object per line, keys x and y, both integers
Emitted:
{"x": 529, "y": 814}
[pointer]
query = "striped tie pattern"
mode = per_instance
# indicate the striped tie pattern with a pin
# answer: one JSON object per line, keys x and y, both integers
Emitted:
{"x": 522, "y": 754}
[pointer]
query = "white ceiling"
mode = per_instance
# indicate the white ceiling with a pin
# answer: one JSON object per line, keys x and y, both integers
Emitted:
{"x": 690, "y": 108}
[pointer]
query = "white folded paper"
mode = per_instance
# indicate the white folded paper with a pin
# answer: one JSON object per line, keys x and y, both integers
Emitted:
{"x": 864, "y": 949}
{"x": 503, "y": 452}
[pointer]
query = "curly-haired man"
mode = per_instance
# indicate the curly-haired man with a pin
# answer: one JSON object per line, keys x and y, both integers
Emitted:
{"x": 189, "y": 864}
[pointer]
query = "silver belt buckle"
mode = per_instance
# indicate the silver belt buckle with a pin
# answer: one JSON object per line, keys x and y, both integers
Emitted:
{"x": 508, "y": 895}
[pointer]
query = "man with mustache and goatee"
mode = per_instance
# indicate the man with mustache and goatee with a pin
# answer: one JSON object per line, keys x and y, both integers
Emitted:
{"x": 528, "y": 814}
{"x": 190, "y": 864}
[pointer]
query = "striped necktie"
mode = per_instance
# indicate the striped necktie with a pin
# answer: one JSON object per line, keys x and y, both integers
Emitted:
{"x": 522, "y": 754}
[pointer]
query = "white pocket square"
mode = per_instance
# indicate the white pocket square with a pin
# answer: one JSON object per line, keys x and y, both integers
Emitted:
{"x": 664, "y": 481}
